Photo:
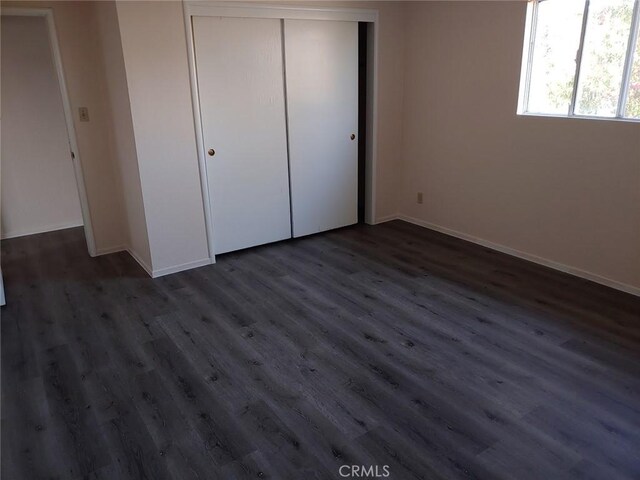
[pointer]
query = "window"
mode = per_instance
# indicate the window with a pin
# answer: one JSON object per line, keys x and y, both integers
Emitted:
{"x": 582, "y": 58}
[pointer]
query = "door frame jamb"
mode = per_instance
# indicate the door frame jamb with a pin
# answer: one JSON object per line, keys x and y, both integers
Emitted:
{"x": 47, "y": 13}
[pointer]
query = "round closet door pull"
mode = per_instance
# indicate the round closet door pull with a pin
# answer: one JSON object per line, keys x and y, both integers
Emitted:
{"x": 211, "y": 152}
{"x": 353, "y": 136}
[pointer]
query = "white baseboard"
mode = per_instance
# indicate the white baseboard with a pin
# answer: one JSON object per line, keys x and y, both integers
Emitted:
{"x": 108, "y": 250}
{"x": 124, "y": 248}
{"x": 179, "y": 268}
{"x": 525, "y": 256}
{"x": 386, "y": 218}
{"x": 35, "y": 231}
{"x": 147, "y": 268}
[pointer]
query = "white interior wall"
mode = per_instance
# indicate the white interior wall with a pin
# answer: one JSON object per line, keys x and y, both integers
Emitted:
{"x": 565, "y": 192}
{"x": 39, "y": 191}
{"x": 82, "y": 63}
{"x": 123, "y": 141}
{"x": 155, "y": 56}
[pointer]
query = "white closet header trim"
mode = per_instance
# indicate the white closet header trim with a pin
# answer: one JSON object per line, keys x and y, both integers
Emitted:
{"x": 238, "y": 9}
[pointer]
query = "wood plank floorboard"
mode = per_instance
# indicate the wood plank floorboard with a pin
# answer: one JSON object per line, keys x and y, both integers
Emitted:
{"x": 369, "y": 346}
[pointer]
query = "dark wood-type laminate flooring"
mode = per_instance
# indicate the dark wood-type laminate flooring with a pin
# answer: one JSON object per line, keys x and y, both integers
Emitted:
{"x": 387, "y": 345}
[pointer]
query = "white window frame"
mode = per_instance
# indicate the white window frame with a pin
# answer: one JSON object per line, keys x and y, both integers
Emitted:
{"x": 527, "y": 64}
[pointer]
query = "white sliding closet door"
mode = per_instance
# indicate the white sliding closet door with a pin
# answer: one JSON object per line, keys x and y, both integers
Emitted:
{"x": 241, "y": 87}
{"x": 321, "y": 59}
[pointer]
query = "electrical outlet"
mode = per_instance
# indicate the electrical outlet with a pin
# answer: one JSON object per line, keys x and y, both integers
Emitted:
{"x": 84, "y": 114}
{"x": 419, "y": 198}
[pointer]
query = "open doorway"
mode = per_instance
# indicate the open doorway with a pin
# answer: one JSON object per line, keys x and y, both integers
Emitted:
{"x": 42, "y": 183}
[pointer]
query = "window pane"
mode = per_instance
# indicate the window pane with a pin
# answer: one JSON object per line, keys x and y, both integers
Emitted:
{"x": 557, "y": 38}
{"x": 605, "y": 48}
{"x": 633, "y": 98}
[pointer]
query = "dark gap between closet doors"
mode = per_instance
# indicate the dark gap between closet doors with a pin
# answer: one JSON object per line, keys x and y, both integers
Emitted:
{"x": 362, "y": 117}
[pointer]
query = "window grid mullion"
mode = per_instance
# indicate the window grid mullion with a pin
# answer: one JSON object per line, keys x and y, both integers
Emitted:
{"x": 532, "y": 46}
{"x": 628, "y": 65}
{"x": 576, "y": 79}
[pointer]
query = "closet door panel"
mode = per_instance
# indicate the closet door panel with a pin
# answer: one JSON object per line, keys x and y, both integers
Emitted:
{"x": 321, "y": 60}
{"x": 239, "y": 66}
